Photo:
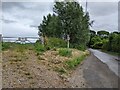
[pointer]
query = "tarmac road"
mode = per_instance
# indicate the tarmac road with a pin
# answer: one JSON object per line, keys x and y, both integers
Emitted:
{"x": 108, "y": 59}
{"x": 100, "y": 70}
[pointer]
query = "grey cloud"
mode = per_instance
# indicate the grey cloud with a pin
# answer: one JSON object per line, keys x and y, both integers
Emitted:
{"x": 7, "y": 6}
{"x": 30, "y": 14}
{"x": 41, "y": 6}
{"x": 8, "y": 21}
{"x": 34, "y": 26}
{"x": 102, "y": 8}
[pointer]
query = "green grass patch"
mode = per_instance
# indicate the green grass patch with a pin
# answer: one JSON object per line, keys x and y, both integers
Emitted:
{"x": 39, "y": 47}
{"x": 74, "y": 62}
{"x": 5, "y": 45}
{"x": 65, "y": 52}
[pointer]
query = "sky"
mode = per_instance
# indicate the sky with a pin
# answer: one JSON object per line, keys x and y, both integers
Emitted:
{"x": 21, "y": 18}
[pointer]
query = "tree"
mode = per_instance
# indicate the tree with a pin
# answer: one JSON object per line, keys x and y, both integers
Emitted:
{"x": 92, "y": 33}
{"x": 103, "y": 33}
{"x": 74, "y": 21}
{"x": 50, "y": 26}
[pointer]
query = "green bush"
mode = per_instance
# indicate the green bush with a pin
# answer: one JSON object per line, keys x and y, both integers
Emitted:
{"x": 98, "y": 45}
{"x": 55, "y": 42}
{"x": 65, "y": 52}
{"x": 39, "y": 47}
{"x": 74, "y": 62}
{"x": 81, "y": 47}
{"x": 5, "y": 45}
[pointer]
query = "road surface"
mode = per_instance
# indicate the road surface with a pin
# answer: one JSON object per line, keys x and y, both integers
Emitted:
{"x": 100, "y": 70}
{"x": 108, "y": 59}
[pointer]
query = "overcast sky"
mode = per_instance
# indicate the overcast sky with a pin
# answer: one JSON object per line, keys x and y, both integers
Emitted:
{"x": 21, "y": 18}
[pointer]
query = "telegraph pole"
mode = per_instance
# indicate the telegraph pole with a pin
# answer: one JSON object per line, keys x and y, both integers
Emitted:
{"x": 86, "y": 6}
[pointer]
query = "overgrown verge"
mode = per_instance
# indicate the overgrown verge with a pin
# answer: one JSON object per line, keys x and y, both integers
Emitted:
{"x": 71, "y": 64}
{"x": 65, "y": 52}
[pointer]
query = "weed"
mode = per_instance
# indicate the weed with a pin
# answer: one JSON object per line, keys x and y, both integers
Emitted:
{"x": 65, "y": 52}
{"x": 74, "y": 62}
{"x": 39, "y": 47}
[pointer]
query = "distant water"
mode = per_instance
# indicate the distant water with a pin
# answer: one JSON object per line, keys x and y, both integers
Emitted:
{"x": 14, "y": 40}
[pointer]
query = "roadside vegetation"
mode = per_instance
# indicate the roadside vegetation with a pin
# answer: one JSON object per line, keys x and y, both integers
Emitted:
{"x": 108, "y": 42}
{"x": 65, "y": 52}
{"x": 65, "y": 36}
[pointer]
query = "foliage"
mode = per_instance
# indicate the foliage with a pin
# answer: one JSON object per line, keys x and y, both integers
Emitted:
{"x": 5, "y": 45}
{"x": 68, "y": 18}
{"x": 74, "y": 62}
{"x": 50, "y": 26}
{"x": 56, "y": 42}
{"x": 97, "y": 45}
{"x": 94, "y": 41}
{"x": 74, "y": 21}
{"x": 114, "y": 42}
{"x": 109, "y": 43}
{"x": 92, "y": 33}
{"x": 39, "y": 47}
{"x": 103, "y": 33}
{"x": 81, "y": 47}
{"x": 65, "y": 52}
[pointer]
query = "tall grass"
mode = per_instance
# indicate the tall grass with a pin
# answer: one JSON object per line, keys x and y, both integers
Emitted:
{"x": 65, "y": 52}
{"x": 74, "y": 62}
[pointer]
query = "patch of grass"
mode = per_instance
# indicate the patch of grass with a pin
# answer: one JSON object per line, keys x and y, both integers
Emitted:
{"x": 65, "y": 52}
{"x": 39, "y": 47}
{"x": 5, "y": 45}
{"x": 74, "y": 62}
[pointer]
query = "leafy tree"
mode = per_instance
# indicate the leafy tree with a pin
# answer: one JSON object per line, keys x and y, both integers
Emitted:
{"x": 50, "y": 26}
{"x": 103, "y": 33}
{"x": 92, "y": 33}
{"x": 94, "y": 40}
{"x": 74, "y": 21}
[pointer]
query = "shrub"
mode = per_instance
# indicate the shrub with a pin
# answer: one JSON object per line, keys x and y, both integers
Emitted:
{"x": 39, "y": 47}
{"x": 98, "y": 45}
{"x": 81, "y": 47}
{"x": 5, "y": 45}
{"x": 55, "y": 42}
{"x": 65, "y": 52}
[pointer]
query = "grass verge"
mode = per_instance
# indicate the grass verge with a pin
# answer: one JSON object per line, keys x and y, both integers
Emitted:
{"x": 74, "y": 62}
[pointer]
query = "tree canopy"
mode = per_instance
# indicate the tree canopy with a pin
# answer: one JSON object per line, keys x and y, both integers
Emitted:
{"x": 68, "y": 19}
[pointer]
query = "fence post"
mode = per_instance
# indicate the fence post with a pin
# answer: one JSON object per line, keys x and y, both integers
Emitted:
{"x": 68, "y": 39}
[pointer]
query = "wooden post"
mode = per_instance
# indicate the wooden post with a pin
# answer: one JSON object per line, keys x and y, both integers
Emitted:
{"x": 42, "y": 40}
{"x": 68, "y": 39}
